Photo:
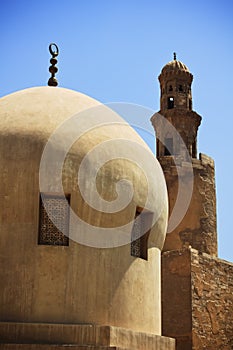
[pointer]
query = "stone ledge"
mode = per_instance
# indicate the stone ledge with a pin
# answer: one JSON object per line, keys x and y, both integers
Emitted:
{"x": 55, "y": 347}
{"x": 77, "y": 334}
{"x": 206, "y": 160}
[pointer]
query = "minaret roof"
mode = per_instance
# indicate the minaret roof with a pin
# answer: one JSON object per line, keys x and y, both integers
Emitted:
{"x": 174, "y": 66}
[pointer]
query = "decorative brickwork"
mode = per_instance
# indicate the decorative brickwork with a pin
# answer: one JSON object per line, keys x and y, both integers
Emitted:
{"x": 55, "y": 231}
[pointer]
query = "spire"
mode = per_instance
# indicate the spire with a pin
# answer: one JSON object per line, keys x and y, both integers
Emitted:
{"x": 174, "y": 56}
{"x": 53, "y": 49}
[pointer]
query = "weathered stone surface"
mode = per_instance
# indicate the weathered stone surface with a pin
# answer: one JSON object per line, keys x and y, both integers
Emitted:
{"x": 176, "y": 301}
{"x": 88, "y": 336}
{"x": 55, "y": 347}
{"x": 76, "y": 283}
{"x": 198, "y": 227}
{"x": 197, "y": 287}
{"x": 197, "y": 300}
{"x": 212, "y": 302}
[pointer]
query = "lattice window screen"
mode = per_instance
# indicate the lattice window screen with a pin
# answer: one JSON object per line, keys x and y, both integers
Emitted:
{"x": 56, "y": 206}
{"x": 136, "y": 242}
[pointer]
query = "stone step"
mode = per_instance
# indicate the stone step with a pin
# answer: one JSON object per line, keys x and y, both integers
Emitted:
{"x": 97, "y": 336}
{"x": 56, "y": 347}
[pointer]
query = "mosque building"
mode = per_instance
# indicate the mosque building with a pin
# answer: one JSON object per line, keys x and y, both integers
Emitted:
{"x": 90, "y": 261}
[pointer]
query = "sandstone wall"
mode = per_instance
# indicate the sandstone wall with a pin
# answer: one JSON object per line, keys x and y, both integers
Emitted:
{"x": 212, "y": 302}
{"x": 176, "y": 298}
{"x": 197, "y": 300}
{"x": 198, "y": 226}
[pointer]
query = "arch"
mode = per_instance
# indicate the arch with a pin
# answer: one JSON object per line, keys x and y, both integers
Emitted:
{"x": 170, "y": 102}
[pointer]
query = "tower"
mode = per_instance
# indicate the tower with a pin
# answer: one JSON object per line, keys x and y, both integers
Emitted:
{"x": 176, "y": 105}
{"x": 196, "y": 285}
{"x": 176, "y": 148}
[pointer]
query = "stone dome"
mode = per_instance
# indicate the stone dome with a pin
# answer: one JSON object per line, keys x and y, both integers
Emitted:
{"x": 29, "y": 117}
{"x": 76, "y": 282}
{"x": 38, "y": 111}
{"x": 174, "y": 66}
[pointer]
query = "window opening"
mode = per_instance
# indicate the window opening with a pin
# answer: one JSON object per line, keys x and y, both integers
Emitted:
{"x": 181, "y": 88}
{"x": 190, "y": 104}
{"x": 194, "y": 149}
{"x": 170, "y": 102}
{"x": 57, "y": 207}
{"x": 168, "y": 147}
{"x": 142, "y": 223}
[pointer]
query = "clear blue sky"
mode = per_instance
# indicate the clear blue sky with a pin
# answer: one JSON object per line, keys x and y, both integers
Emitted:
{"x": 114, "y": 51}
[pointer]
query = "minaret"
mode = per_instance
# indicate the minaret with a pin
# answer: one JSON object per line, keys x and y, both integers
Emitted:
{"x": 176, "y": 150}
{"x": 196, "y": 284}
{"x": 176, "y": 105}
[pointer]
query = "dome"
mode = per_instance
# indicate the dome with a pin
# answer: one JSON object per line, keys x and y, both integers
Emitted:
{"x": 28, "y": 121}
{"x": 174, "y": 66}
{"x": 86, "y": 279}
{"x": 39, "y": 110}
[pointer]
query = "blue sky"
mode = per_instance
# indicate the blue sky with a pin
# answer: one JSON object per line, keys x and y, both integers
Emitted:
{"x": 114, "y": 52}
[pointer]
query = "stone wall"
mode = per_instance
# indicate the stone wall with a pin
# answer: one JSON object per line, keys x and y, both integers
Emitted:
{"x": 176, "y": 298}
{"x": 197, "y": 300}
{"x": 198, "y": 227}
{"x": 212, "y": 302}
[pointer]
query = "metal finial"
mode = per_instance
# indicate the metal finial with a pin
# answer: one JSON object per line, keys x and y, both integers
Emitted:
{"x": 174, "y": 54}
{"x": 53, "y": 49}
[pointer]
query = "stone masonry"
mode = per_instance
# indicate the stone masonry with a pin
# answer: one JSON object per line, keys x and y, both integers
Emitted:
{"x": 197, "y": 300}
{"x": 212, "y": 302}
{"x": 197, "y": 286}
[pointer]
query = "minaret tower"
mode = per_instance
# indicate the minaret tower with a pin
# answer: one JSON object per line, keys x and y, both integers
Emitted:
{"x": 192, "y": 205}
{"x": 176, "y": 151}
{"x": 176, "y": 105}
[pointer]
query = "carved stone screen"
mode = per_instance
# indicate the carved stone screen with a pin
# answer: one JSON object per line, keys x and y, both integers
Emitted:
{"x": 138, "y": 242}
{"x": 56, "y": 206}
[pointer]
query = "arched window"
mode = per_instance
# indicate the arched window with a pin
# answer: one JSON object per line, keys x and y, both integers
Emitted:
{"x": 181, "y": 88}
{"x": 170, "y": 102}
{"x": 170, "y": 88}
